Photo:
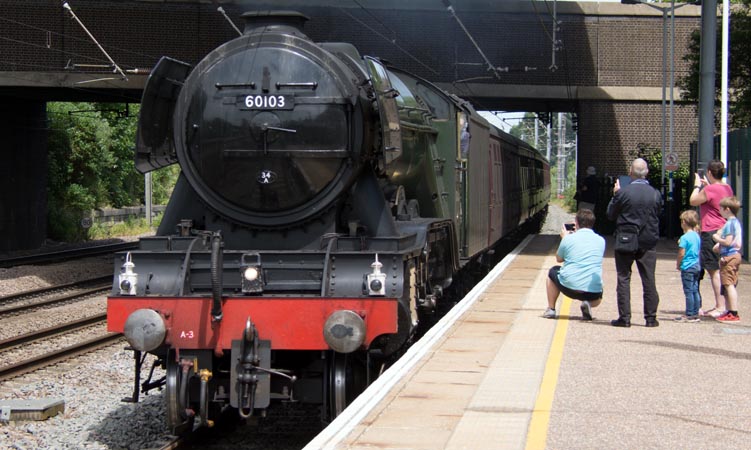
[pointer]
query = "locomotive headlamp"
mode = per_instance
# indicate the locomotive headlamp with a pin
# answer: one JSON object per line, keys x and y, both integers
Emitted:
{"x": 344, "y": 331}
{"x": 376, "y": 281}
{"x": 376, "y": 286}
{"x": 251, "y": 273}
{"x": 127, "y": 280}
{"x": 145, "y": 330}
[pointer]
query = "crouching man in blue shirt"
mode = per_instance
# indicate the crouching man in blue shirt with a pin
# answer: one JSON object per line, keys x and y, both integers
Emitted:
{"x": 580, "y": 277}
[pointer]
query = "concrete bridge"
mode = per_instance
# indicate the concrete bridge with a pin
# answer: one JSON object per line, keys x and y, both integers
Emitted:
{"x": 602, "y": 61}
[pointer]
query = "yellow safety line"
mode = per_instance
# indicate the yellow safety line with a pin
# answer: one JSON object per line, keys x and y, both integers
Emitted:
{"x": 537, "y": 434}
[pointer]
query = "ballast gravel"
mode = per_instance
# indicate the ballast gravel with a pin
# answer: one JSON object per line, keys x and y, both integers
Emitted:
{"x": 94, "y": 416}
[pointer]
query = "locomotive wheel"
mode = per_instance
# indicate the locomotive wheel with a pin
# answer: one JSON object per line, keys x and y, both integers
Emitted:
{"x": 347, "y": 379}
{"x": 176, "y": 416}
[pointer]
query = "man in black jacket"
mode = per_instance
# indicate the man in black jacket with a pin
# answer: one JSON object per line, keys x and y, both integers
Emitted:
{"x": 636, "y": 207}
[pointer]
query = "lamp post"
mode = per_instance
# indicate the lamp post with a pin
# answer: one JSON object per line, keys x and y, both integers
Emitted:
{"x": 673, "y": 159}
{"x": 665, "y": 10}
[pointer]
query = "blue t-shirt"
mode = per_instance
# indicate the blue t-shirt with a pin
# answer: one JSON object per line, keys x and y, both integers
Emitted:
{"x": 582, "y": 254}
{"x": 690, "y": 242}
{"x": 732, "y": 227}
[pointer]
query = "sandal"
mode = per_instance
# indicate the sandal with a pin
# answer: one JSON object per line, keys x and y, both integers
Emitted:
{"x": 707, "y": 312}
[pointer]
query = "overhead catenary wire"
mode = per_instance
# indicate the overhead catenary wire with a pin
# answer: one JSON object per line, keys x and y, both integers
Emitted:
{"x": 67, "y": 7}
{"x": 542, "y": 24}
{"x": 392, "y": 41}
{"x": 221, "y": 10}
{"x": 490, "y": 65}
{"x": 50, "y": 34}
{"x": 69, "y": 67}
{"x": 393, "y": 33}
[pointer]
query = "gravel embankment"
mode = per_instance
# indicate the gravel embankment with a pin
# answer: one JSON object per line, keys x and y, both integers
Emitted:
{"x": 94, "y": 417}
{"x": 92, "y": 386}
{"x": 556, "y": 218}
{"x": 43, "y": 318}
{"x": 25, "y": 278}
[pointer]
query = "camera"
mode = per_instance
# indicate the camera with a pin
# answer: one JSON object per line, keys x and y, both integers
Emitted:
{"x": 570, "y": 226}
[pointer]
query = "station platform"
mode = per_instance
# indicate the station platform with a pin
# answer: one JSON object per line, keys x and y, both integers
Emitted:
{"x": 495, "y": 374}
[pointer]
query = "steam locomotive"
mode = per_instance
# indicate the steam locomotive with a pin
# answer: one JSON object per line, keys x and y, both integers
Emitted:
{"x": 326, "y": 203}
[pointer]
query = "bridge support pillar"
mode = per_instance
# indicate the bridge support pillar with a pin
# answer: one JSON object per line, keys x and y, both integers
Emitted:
{"x": 23, "y": 174}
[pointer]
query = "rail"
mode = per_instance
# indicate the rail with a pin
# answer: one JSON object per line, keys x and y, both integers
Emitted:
{"x": 62, "y": 255}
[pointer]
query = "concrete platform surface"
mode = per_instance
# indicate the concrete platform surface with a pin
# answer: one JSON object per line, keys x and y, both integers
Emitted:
{"x": 500, "y": 376}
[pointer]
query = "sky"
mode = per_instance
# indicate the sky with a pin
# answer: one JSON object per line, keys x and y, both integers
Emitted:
{"x": 505, "y": 121}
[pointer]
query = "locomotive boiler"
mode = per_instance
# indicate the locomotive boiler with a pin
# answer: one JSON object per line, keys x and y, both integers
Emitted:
{"x": 326, "y": 203}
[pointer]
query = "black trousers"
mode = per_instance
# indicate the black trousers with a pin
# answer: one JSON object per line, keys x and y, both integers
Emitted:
{"x": 646, "y": 260}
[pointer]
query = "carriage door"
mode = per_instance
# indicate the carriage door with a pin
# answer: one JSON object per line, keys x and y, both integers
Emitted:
{"x": 387, "y": 109}
{"x": 495, "y": 219}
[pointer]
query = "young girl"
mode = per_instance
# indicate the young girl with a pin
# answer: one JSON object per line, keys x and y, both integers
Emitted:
{"x": 688, "y": 263}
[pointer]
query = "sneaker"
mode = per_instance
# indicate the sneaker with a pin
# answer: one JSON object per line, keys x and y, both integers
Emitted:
{"x": 728, "y": 317}
{"x": 693, "y": 319}
{"x": 549, "y": 313}
{"x": 715, "y": 313}
{"x": 586, "y": 310}
{"x": 681, "y": 319}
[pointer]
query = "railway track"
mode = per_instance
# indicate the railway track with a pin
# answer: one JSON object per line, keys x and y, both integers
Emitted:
{"x": 51, "y": 339}
{"x": 62, "y": 255}
{"x": 35, "y": 298}
{"x": 34, "y": 363}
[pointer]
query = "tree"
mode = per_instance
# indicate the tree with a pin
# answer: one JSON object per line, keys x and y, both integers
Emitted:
{"x": 525, "y": 130}
{"x": 739, "y": 105}
{"x": 78, "y": 165}
{"x": 91, "y": 165}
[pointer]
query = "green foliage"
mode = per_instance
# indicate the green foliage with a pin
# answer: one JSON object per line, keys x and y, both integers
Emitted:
{"x": 91, "y": 165}
{"x": 566, "y": 199}
{"x": 163, "y": 181}
{"x": 653, "y": 156}
{"x": 525, "y": 130}
{"x": 739, "y": 107}
{"x": 131, "y": 227}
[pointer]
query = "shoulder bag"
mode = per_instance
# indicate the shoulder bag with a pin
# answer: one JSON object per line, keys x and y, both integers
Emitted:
{"x": 627, "y": 239}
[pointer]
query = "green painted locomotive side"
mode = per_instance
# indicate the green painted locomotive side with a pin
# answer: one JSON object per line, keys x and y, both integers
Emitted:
{"x": 497, "y": 185}
{"x": 426, "y": 123}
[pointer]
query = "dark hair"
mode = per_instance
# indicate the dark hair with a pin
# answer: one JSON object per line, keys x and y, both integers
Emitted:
{"x": 585, "y": 218}
{"x": 716, "y": 168}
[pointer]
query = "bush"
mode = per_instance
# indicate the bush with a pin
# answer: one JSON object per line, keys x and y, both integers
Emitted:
{"x": 91, "y": 165}
{"x": 131, "y": 227}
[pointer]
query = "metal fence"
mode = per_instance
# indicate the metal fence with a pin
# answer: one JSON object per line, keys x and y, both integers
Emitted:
{"x": 110, "y": 216}
{"x": 672, "y": 207}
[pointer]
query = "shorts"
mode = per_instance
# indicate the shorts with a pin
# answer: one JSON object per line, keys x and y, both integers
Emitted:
{"x": 729, "y": 269}
{"x": 709, "y": 259}
{"x": 571, "y": 293}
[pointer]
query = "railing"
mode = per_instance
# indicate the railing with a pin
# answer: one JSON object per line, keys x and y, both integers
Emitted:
{"x": 111, "y": 215}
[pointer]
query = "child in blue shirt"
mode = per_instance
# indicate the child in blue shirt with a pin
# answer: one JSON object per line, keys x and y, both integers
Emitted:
{"x": 688, "y": 263}
{"x": 729, "y": 239}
